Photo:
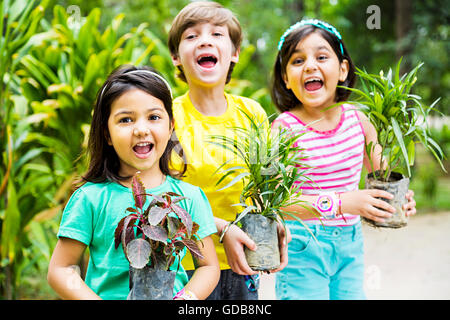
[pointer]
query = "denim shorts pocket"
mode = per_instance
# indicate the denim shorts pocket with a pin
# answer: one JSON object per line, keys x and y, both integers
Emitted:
{"x": 299, "y": 243}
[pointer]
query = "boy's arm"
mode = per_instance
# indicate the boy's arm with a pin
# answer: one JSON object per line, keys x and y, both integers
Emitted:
{"x": 62, "y": 271}
{"x": 234, "y": 241}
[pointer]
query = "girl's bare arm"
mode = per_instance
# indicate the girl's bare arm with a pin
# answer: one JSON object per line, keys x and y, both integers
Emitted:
{"x": 207, "y": 271}
{"x": 62, "y": 274}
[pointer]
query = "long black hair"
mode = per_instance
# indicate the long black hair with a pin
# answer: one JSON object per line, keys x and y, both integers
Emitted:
{"x": 283, "y": 98}
{"x": 104, "y": 163}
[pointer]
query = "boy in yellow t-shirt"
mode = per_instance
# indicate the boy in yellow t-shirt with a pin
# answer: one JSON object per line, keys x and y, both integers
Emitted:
{"x": 204, "y": 42}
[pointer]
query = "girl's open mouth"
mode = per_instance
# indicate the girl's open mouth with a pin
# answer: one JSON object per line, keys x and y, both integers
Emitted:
{"x": 207, "y": 61}
{"x": 313, "y": 84}
{"x": 143, "y": 149}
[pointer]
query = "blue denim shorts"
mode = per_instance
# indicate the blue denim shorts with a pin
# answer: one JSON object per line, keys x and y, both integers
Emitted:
{"x": 331, "y": 268}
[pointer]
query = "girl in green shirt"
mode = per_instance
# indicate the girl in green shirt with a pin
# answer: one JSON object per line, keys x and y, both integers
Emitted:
{"x": 131, "y": 131}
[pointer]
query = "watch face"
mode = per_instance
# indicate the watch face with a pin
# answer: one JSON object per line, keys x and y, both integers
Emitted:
{"x": 325, "y": 203}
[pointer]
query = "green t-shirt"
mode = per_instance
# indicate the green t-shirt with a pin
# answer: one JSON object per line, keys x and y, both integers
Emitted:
{"x": 92, "y": 215}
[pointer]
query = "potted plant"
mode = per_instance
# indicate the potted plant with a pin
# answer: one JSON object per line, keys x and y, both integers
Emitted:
{"x": 272, "y": 163}
{"x": 151, "y": 239}
{"x": 400, "y": 119}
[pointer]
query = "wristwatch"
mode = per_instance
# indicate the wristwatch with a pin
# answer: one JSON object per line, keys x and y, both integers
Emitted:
{"x": 328, "y": 204}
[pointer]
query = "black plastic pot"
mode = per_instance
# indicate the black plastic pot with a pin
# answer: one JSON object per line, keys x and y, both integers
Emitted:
{"x": 150, "y": 284}
{"x": 263, "y": 231}
{"x": 398, "y": 186}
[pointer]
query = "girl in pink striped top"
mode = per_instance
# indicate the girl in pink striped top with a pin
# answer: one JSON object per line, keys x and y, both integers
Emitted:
{"x": 312, "y": 62}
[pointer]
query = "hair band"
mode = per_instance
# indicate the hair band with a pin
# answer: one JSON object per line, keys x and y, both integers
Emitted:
{"x": 156, "y": 75}
{"x": 150, "y": 72}
{"x": 315, "y": 22}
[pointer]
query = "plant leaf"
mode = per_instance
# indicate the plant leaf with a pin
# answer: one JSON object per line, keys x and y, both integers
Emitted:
{"x": 172, "y": 226}
{"x": 401, "y": 143}
{"x": 244, "y": 213}
{"x": 195, "y": 227}
{"x": 185, "y": 217}
{"x": 178, "y": 199}
{"x": 193, "y": 248}
{"x": 236, "y": 179}
{"x": 125, "y": 235}
{"x": 156, "y": 233}
{"x": 411, "y": 152}
{"x": 130, "y": 209}
{"x": 172, "y": 194}
{"x": 156, "y": 214}
{"x": 138, "y": 253}
{"x": 138, "y": 192}
{"x": 118, "y": 232}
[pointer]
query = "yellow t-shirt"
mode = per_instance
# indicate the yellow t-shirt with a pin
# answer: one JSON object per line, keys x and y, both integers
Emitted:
{"x": 203, "y": 159}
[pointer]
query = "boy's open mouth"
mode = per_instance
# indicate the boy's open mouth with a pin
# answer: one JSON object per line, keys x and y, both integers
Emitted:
{"x": 207, "y": 61}
{"x": 143, "y": 148}
{"x": 313, "y": 84}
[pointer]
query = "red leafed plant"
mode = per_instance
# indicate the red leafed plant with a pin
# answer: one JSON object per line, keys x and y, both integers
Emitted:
{"x": 151, "y": 235}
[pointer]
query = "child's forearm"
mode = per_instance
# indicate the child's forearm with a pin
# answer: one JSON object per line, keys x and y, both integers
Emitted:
{"x": 68, "y": 284}
{"x": 197, "y": 284}
{"x": 220, "y": 225}
{"x": 305, "y": 210}
{"x": 207, "y": 270}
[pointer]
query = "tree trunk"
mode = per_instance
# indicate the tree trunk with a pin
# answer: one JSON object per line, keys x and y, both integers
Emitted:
{"x": 298, "y": 6}
{"x": 403, "y": 23}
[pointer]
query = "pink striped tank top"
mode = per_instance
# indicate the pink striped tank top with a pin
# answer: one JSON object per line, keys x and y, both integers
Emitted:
{"x": 334, "y": 157}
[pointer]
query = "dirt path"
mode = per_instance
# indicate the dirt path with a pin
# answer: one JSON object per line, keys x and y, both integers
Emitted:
{"x": 408, "y": 263}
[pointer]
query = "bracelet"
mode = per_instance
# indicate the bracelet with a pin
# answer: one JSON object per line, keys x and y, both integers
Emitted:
{"x": 339, "y": 210}
{"x": 224, "y": 230}
{"x": 185, "y": 295}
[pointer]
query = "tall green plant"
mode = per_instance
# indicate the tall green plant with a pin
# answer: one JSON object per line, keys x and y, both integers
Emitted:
{"x": 399, "y": 117}
{"x": 272, "y": 166}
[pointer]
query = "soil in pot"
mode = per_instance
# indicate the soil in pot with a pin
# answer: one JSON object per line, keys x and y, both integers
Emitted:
{"x": 263, "y": 231}
{"x": 397, "y": 185}
{"x": 151, "y": 284}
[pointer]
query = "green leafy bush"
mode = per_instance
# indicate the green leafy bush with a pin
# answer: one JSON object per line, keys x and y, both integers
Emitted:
{"x": 51, "y": 72}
